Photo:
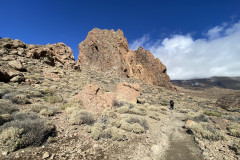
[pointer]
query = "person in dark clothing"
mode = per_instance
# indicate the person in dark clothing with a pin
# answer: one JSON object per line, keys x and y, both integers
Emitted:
{"x": 171, "y": 104}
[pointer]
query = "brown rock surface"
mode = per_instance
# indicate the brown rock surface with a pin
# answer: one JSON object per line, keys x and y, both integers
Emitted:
{"x": 93, "y": 98}
{"x": 50, "y": 53}
{"x": 128, "y": 92}
{"x": 108, "y": 51}
{"x": 230, "y": 102}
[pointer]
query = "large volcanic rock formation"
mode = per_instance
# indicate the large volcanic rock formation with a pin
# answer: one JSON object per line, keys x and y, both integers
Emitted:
{"x": 108, "y": 51}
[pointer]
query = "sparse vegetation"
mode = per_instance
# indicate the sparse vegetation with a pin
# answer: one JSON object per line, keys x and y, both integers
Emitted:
{"x": 6, "y": 106}
{"x": 82, "y": 117}
{"x": 155, "y": 116}
{"x": 53, "y": 99}
{"x": 24, "y": 130}
{"x": 207, "y": 131}
{"x": 212, "y": 113}
{"x": 234, "y": 129}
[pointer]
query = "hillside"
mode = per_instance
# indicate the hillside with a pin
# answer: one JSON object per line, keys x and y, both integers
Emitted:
{"x": 52, "y": 107}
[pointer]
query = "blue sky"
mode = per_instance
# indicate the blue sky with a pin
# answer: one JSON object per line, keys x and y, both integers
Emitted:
{"x": 156, "y": 25}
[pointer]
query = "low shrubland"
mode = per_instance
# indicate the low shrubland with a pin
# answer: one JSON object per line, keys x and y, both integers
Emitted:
{"x": 82, "y": 117}
{"x": 234, "y": 129}
{"x": 24, "y": 130}
{"x": 206, "y": 131}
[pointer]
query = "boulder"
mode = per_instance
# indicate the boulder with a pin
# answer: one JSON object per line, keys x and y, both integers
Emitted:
{"x": 108, "y": 51}
{"x": 128, "y": 92}
{"x": 16, "y": 65}
{"x": 93, "y": 98}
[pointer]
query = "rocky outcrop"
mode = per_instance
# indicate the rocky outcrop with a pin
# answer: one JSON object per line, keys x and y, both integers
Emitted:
{"x": 230, "y": 102}
{"x": 108, "y": 51}
{"x": 95, "y": 99}
{"x": 50, "y": 53}
{"x": 128, "y": 92}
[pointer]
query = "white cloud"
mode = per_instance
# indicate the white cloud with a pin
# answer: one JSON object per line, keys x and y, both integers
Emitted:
{"x": 139, "y": 42}
{"x": 218, "y": 54}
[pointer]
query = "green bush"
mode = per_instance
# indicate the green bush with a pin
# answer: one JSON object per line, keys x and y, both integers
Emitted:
{"x": 82, "y": 117}
{"x": 24, "y": 130}
{"x": 212, "y": 113}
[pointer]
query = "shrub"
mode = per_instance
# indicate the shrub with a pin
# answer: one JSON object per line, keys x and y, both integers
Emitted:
{"x": 82, "y": 117}
{"x": 53, "y": 99}
{"x": 236, "y": 148}
{"x": 119, "y": 103}
{"x": 141, "y": 121}
{"x": 5, "y": 118}
{"x": 11, "y": 139}
{"x": 154, "y": 116}
{"x": 3, "y": 92}
{"x": 37, "y": 107}
{"x": 205, "y": 130}
{"x": 96, "y": 131}
{"x": 6, "y": 106}
{"x": 138, "y": 110}
{"x": 24, "y": 130}
{"x": 135, "y": 127}
{"x": 212, "y": 113}
{"x": 201, "y": 118}
{"x": 123, "y": 109}
{"x": 114, "y": 133}
{"x": 234, "y": 130}
{"x": 164, "y": 102}
{"x": 152, "y": 108}
{"x": 48, "y": 111}
{"x": 72, "y": 104}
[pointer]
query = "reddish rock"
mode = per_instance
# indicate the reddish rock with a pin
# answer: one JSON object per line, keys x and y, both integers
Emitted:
{"x": 108, "y": 51}
{"x": 93, "y": 98}
{"x": 128, "y": 92}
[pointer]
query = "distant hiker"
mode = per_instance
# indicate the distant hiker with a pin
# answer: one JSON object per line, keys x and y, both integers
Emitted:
{"x": 171, "y": 104}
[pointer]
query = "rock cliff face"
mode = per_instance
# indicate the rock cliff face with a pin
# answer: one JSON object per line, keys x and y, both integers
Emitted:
{"x": 108, "y": 51}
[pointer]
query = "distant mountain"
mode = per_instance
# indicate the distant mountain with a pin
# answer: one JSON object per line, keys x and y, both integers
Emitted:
{"x": 221, "y": 82}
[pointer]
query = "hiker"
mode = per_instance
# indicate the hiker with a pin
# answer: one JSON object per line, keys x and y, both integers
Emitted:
{"x": 171, "y": 104}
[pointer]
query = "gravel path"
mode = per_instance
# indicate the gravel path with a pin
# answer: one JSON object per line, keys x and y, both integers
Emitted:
{"x": 181, "y": 145}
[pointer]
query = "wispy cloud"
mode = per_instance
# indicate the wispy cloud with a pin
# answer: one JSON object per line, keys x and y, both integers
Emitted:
{"x": 217, "y": 54}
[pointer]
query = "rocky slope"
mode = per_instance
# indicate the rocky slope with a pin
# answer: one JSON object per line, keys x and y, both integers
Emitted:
{"x": 108, "y": 51}
{"x": 49, "y": 109}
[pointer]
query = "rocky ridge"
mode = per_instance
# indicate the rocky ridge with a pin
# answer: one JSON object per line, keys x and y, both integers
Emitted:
{"x": 108, "y": 51}
{"x": 13, "y": 53}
